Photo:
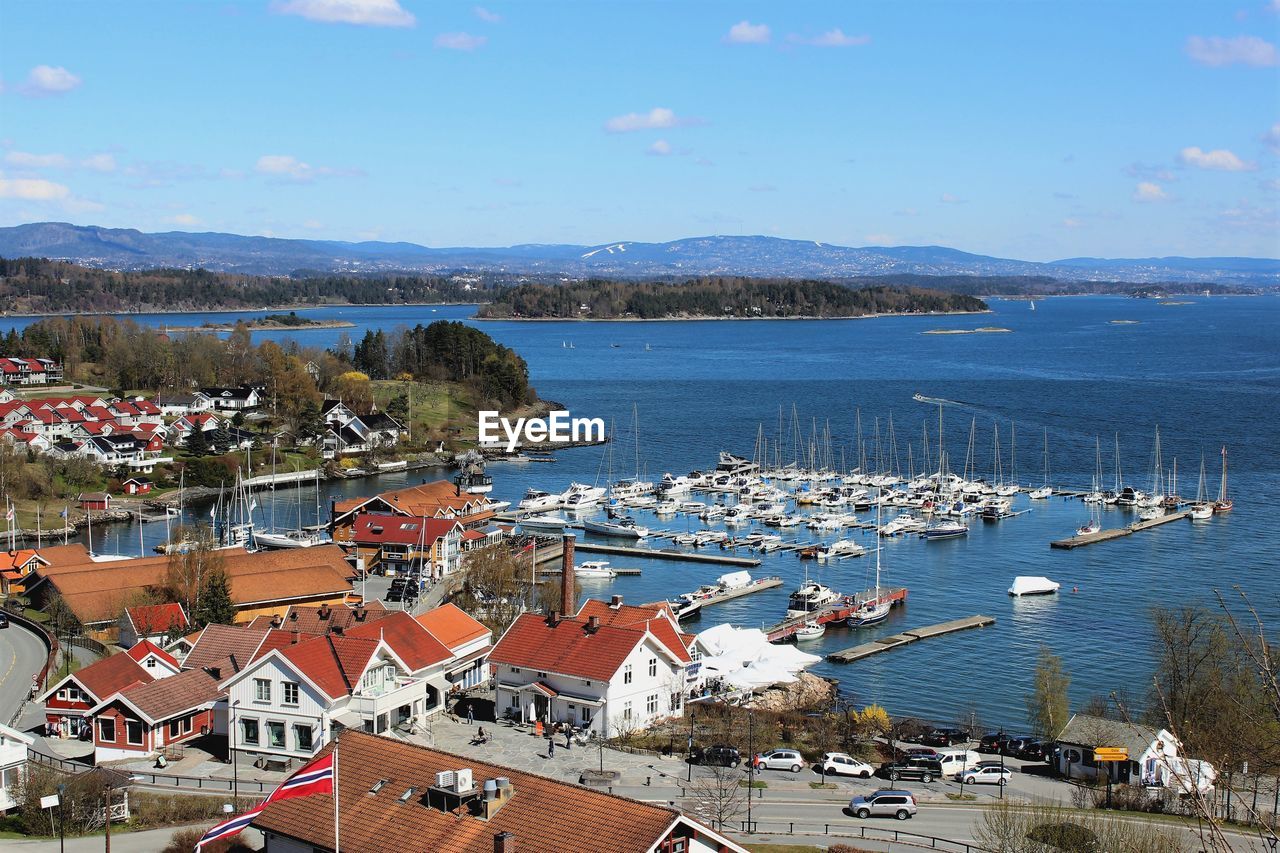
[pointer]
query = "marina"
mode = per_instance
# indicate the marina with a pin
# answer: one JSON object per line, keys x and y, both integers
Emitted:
{"x": 1115, "y": 533}
{"x": 893, "y": 641}
{"x": 666, "y": 554}
{"x": 896, "y": 596}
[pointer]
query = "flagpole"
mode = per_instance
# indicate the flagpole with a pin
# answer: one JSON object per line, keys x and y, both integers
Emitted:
{"x": 336, "y": 844}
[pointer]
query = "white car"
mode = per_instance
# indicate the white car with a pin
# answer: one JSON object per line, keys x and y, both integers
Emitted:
{"x": 840, "y": 764}
{"x": 989, "y": 775}
{"x": 780, "y": 759}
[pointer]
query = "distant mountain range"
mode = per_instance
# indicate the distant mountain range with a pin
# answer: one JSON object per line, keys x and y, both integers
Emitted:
{"x": 126, "y": 248}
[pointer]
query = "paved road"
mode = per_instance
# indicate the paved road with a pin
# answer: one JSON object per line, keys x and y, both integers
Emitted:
{"x": 121, "y": 842}
{"x": 21, "y": 656}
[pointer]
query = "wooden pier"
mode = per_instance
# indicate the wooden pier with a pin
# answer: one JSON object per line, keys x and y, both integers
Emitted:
{"x": 665, "y": 554}
{"x": 721, "y": 596}
{"x": 622, "y": 573}
{"x": 1117, "y": 532}
{"x": 895, "y": 594}
{"x": 883, "y": 644}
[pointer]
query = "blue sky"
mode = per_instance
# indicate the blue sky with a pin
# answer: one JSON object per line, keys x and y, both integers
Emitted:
{"x": 1034, "y": 130}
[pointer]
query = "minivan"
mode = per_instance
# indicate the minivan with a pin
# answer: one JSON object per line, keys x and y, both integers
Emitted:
{"x": 956, "y": 761}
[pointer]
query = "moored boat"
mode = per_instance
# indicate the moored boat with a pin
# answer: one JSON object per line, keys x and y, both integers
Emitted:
{"x": 1033, "y": 585}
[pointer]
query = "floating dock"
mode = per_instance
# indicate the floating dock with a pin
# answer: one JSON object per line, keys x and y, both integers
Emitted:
{"x": 1117, "y": 532}
{"x": 622, "y": 573}
{"x": 665, "y": 554}
{"x": 883, "y": 644}
{"x": 895, "y": 594}
{"x": 724, "y": 595}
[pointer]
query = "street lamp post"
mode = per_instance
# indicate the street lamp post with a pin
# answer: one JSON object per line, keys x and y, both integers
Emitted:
{"x": 1001, "y": 744}
{"x": 235, "y": 765}
{"x": 751, "y": 757}
{"x": 689, "y": 750}
{"x": 62, "y": 819}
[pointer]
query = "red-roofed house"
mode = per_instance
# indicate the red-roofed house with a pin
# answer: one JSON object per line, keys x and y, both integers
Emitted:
{"x": 467, "y": 638}
{"x": 15, "y": 567}
{"x": 154, "y": 622}
{"x": 374, "y": 676}
{"x": 399, "y": 543}
{"x": 145, "y": 718}
{"x": 607, "y": 669}
{"x": 68, "y": 704}
{"x": 154, "y": 659}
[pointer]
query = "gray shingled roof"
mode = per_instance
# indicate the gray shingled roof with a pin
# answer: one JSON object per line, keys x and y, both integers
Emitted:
{"x": 1084, "y": 730}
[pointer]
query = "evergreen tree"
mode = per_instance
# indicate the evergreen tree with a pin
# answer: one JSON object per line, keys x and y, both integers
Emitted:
{"x": 197, "y": 442}
{"x": 215, "y": 603}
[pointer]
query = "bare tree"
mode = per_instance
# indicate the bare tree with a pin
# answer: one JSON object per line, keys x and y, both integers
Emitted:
{"x": 718, "y": 797}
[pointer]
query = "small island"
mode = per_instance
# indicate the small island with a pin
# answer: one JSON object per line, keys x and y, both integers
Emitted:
{"x": 719, "y": 298}
{"x": 271, "y": 321}
{"x": 984, "y": 330}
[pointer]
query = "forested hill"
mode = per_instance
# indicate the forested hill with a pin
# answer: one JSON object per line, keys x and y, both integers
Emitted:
{"x": 734, "y": 298}
{"x": 37, "y": 286}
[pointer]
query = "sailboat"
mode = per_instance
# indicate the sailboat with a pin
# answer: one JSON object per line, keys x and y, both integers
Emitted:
{"x": 875, "y": 609}
{"x": 1096, "y": 495}
{"x": 1224, "y": 502}
{"x": 1045, "y": 491}
{"x": 1094, "y": 524}
{"x": 1202, "y": 509}
{"x": 300, "y": 537}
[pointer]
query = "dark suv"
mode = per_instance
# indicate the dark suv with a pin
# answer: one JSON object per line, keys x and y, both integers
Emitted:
{"x": 945, "y": 737}
{"x": 1033, "y": 750}
{"x": 715, "y": 756}
{"x": 912, "y": 767}
{"x": 994, "y": 743}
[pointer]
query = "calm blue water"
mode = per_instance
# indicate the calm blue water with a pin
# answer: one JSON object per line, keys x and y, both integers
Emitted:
{"x": 1207, "y": 373}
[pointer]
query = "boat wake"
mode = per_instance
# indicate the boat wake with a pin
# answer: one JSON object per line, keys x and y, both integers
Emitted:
{"x": 937, "y": 401}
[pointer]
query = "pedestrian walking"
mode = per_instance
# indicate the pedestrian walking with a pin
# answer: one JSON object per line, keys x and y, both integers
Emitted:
{"x": 551, "y": 748}
{"x": 471, "y": 714}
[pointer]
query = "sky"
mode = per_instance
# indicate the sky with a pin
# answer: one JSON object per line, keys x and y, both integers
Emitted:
{"x": 1031, "y": 130}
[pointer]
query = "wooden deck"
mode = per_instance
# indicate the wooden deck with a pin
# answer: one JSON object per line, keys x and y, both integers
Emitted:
{"x": 896, "y": 594}
{"x": 665, "y": 554}
{"x": 759, "y": 585}
{"x": 883, "y": 644}
{"x": 1117, "y": 532}
{"x": 622, "y": 573}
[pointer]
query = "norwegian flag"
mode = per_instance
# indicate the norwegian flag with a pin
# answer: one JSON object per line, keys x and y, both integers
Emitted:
{"x": 314, "y": 778}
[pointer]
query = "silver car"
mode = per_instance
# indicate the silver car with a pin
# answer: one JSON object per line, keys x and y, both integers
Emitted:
{"x": 884, "y": 803}
{"x": 780, "y": 759}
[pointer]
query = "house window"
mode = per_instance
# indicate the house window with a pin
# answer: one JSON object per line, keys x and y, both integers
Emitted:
{"x": 626, "y": 711}
{"x": 653, "y": 667}
{"x": 586, "y": 714}
{"x": 151, "y": 663}
{"x": 626, "y": 674}
{"x": 249, "y": 731}
{"x": 675, "y": 701}
{"x": 290, "y": 690}
{"x": 175, "y": 727}
{"x": 302, "y": 737}
{"x": 275, "y": 734}
{"x": 133, "y": 732}
{"x": 261, "y": 690}
{"x": 515, "y": 701}
{"x": 107, "y": 730}
{"x": 187, "y": 723}
{"x": 542, "y": 675}
{"x": 515, "y": 670}
{"x": 651, "y": 705}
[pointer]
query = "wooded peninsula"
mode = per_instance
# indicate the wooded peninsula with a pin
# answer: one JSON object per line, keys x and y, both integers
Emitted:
{"x": 717, "y": 298}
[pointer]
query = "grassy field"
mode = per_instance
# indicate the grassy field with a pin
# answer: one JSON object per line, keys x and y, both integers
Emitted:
{"x": 434, "y": 408}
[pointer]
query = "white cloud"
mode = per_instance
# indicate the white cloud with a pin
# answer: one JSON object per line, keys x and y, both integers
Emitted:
{"x": 660, "y": 148}
{"x": 460, "y": 41}
{"x": 1272, "y": 137}
{"x": 657, "y": 118}
{"x": 494, "y": 18}
{"x": 184, "y": 219}
{"x": 1147, "y": 172}
{"x": 1149, "y": 191}
{"x": 27, "y": 160}
{"x": 1216, "y": 51}
{"x": 831, "y": 38}
{"x": 948, "y": 198}
{"x": 32, "y": 189}
{"x": 745, "y": 32}
{"x": 48, "y": 80}
{"x": 1220, "y": 160}
{"x": 372, "y": 13}
{"x": 291, "y": 168}
{"x": 99, "y": 163}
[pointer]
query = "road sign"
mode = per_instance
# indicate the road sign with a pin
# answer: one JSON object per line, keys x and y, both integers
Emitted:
{"x": 1111, "y": 753}
{"x": 49, "y": 802}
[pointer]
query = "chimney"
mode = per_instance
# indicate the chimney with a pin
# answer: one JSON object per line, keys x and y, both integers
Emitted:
{"x": 337, "y": 629}
{"x": 593, "y": 624}
{"x": 360, "y": 614}
{"x": 293, "y": 641}
{"x": 568, "y": 583}
{"x": 615, "y": 602}
{"x": 553, "y": 618}
{"x": 496, "y": 794}
{"x": 276, "y": 621}
{"x": 214, "y": 672}
{"x": 504, "y": 842}
{"x": 324, "y": 612}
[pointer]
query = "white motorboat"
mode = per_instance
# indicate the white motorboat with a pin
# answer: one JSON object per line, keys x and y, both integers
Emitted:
{"x": 536, "y": 500}
{"x": 945, "y": 530}
{"x": 790, "y": 521}
{"x": 594, "y": 569}
{"x": 579, "y": 496}
{"x": 666, "y": 507}
{"x": 694, "y": 507}
{"x": 685, "y": 539}
{"x": 810, "y": 631}
{"x": 630, "y": 488}
{"x": 840, "y": 548}
{"x": 1033, "y": 585}
{"x": 553, "y": 523}
{"x": 810, "y": 597}
{"x": 1151, "y": 513}
{"x": 1041, "y": 493}
{"x": 710, "y": 537}
{"x": 674, "y": 484}
{"x": 625, "y": 528}
{"x": 711, "y": 513}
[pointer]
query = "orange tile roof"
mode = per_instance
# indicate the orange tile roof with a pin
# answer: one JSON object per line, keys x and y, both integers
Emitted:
{"x": 17, "y": 559}
{"x": 545, "y": 816}
{"x": 334, "y": 663}
{"x": 651, "y": 616}
{"x": 158, "y": 618}
{"x": 452, "y": 626}
{"x": 177, "y": 694}
{"x": 109, "y": 675}
{"x": 411, "y": 642}
{"x": 312, "y": 619}
{"x": 567, "y": 648}
{"x": 142, "y": 648}
{"x": 218, "y": 642}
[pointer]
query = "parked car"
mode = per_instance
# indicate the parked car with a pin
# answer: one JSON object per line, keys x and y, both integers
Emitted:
{"x": 842, "y": 764}
{"x": 716, "y": 756}
{"x": 923, "y": 752}
{"x": 780, "y": 759}
{"x": 956, "y": 761}
{"x": 4, "y": 621}
{"x": 1015, "y": 745}
{"x": 993, "y": 742}
{"x": 946, "y": 737}
{"x": 987, "y": 775}
{"x": 924, "y": 769}
{"x": 1034, "y": 751}
{"x": 884, "y": 803}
